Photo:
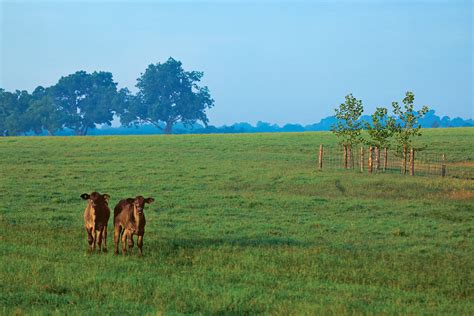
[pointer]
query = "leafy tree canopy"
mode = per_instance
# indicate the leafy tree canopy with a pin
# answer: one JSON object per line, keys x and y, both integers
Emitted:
{"x": 13, "y": 106}
{"x": 167, "y": 95}
{"x": 86, "y": 99}
{"x": 407, "y": 126}
{"x": 43, "y": 113}
{"x": 380, "y": 129}
{"x": 348, "y": 126}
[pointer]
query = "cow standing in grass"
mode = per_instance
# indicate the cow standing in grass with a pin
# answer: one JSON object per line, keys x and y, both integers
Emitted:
{"x": 96, "y": 217}
{"x": 129, "y": 220}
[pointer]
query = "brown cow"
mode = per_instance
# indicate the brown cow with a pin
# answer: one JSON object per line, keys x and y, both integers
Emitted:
{"x": 129, "y": 220}
{"x": 96, "y": 217}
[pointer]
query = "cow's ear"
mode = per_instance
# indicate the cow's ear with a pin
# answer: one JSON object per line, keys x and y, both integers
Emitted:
{"x": 106, "y": 197}
{"x": 149, "y": 200}
{"x": 85, "y": 196}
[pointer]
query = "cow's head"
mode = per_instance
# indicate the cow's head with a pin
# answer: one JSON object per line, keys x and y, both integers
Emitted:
{"x": 96, "y": 199}
{"x": 139, "y": 203}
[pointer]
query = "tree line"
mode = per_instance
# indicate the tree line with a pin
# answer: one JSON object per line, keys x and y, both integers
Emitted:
{"x": 384, "y": 131}
{"x": 167, "y": 94}
{"x": 168, "y": 98}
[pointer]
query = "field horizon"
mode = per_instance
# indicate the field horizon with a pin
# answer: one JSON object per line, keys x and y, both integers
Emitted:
{"x": 241, "y": 223}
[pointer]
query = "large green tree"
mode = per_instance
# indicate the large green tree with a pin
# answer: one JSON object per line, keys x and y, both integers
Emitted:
{"x": 13, "y": 107}
{"x": 44, "y": 113}
{"x": 4, "y": 110}
{"x": 85, "y": 99}
{"x": 167, "y": 94}
{"x": 348, "y": 127}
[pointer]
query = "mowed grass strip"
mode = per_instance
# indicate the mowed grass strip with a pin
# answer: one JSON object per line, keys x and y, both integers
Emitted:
{"x": 241, "y": 224}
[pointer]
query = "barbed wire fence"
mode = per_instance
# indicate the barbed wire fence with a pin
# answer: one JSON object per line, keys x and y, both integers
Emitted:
{"x": 373, "y": 160}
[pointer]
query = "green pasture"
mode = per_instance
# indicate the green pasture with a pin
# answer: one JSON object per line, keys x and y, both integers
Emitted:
{"x": 242, "y": 224}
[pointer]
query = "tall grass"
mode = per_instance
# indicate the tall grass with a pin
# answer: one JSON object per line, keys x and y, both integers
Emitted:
{"x": 241, "y": 224}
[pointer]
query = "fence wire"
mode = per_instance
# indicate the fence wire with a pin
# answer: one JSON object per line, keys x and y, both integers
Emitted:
{"x": 425, "y": 163}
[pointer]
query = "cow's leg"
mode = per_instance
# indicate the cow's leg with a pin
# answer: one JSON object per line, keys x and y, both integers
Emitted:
{"x": 124, "y": 241}
{"x": 90, "y": 238}
{"x": 94, "y": 238}
{"x": 104, "y": 238}
{"x": 117, "y": 231}
{"x": 99, "y": 238}
{"x": 130, "y": 242}
{"x": 140, "y": 244}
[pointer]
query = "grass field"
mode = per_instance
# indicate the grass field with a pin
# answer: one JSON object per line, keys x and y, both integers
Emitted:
{"x": 241, "y": 224}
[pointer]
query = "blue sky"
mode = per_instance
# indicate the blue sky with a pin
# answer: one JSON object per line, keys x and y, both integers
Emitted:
{"x": 275, "y": 61}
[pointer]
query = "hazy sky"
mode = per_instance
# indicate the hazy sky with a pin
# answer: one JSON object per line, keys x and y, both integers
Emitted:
{"x": 276, "y": 61}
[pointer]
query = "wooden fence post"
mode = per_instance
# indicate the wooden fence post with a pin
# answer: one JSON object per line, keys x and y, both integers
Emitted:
{"x": 371, "y": 151}
{"x": 345, "y": 156}
{"x": 385, "y": 157}
{"x": 361, "y": 159}
{"x": 377, "y": 159}
{"x": 321, "y": 157}
{"x": 412, "y": 161}
{"x": 443, "y": 166}
{"x": 349, "y": 154}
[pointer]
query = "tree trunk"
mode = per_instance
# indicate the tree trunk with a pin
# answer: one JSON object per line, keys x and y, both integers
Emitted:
{"x": 385, "y": 157}
{"x": 168, "y": 128}
{"x": 361, "y": 162}
{"x": 81, "y": 131}
{"x": 404, "y": 162}
{"x": 345, "y": 156}
{"x": 377, "y": 159}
